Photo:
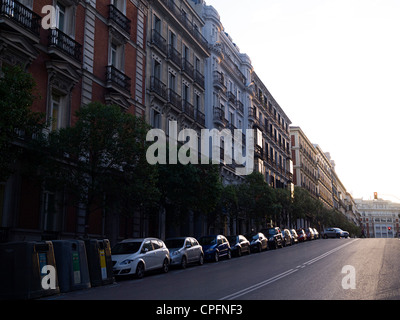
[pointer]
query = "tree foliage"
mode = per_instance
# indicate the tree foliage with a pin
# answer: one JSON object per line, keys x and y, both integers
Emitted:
{"x": 18, "y": 123}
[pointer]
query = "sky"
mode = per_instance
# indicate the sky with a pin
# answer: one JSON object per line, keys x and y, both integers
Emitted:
{"x": 334, "y": 68}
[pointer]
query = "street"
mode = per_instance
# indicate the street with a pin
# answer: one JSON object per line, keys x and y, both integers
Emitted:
{"x": 331, "y": 269}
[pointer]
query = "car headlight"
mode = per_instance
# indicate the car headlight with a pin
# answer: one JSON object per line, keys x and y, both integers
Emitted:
{"x": 271, "y": 239}
{"x": 175, "y": 253}
{"x": 125, "y": 262}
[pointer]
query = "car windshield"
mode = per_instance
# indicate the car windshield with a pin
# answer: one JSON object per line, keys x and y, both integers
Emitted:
{"x": 126, "y": 248}
{"x": 174, "y": 243}
{"x": 271, "y": 231}
{"x": 232, "y": 239}
{"x": 205, "y": 241}
{"x": 256, "y": 236}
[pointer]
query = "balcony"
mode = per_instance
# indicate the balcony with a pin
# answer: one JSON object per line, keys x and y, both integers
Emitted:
{"x": 219, "y": 81}
{"x": 200, "y": 118}
{"x": 199, "y": 79}
{"x": 219, "y": 117}
{"x": 117, "y": 80}
{"x": 174, "y": 99}
{"x": 174, "y": 55}
{"x": 158, "y": 87}
{"x": 188, "y": 109}
{"x": 117, "y": 17}
{"x": 19, "y": 15}
{"x": 188, "y": 68}
{"x": 231, "y": 97}
{"x": 67, "y": 45}
{"x": 158, "y": 40}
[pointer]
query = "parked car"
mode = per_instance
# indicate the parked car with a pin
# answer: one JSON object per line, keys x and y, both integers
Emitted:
{"x": 316, "y": 233}
{"x": 215, "y": 247}
{"x": 301, "y": 235}
{"x": 258, "y": 242}
{"x": 184, "y": 250}
{"x": 335, "y": 233}
{"x": 295, "y": 236}
{"x": 239, "y": 245}
{"x": 274, "y": 236}
{"x": 136, "y": 256}
{"x": 309, "y": 233}
{"x": 287, "y": 237}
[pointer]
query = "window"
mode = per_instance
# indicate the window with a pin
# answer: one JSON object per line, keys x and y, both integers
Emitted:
{"x": 172, "y": 81}
{"x": 157, "y": 24}
{"x": 147, "y": 245}
{"x": 49, "y": 210}
{"x": 57, "y": 112}
{"x": 120, "y": 5}
{"x": 156, "y": 69}
{"x": 116, "y": 55}
{"x": 155, "y": 119}
{"x": 60, "y": 16}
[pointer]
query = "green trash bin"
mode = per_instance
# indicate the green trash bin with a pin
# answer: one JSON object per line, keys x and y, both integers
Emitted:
{"x": 99, "y": 261}
{"x": 72, "y": 266}
{"x": 24, "y": 271}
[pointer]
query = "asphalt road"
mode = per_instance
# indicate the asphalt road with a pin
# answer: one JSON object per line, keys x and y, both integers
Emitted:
{"x": 332, "y": 269}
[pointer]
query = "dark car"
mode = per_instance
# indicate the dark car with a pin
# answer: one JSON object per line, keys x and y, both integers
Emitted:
{"x": 239, "y": 245}
{"x": 287, "y": 237}
{"x": 301, "y": 235}
{"x": 258, "y": 242}
{"x": 215, "y": 247}
{"x": 274, "y": 236}
{"x": 295, "y": 236}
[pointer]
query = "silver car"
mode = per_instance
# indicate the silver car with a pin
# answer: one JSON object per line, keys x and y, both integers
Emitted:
{"x": 185, "y": 250}
{"x": 335, "y": 233}
{"x": 135, "y": 256}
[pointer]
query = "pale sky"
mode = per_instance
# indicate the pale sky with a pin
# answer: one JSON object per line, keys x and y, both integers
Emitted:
{"x": 334, "y": 68}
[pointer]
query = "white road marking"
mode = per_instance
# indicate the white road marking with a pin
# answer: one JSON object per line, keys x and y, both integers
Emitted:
{"x": 264, "y": 283}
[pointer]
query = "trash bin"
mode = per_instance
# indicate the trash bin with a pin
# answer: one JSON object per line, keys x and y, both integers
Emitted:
{"x": 72, "y": 265}
{"x": 27, "y": 270}
{"x": 99, "y": 261}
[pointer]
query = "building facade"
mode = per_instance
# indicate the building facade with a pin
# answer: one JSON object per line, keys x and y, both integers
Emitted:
{"x": 93, "y": 51}
{"x": 379, "y": 218}
{"x": 304, "y": 155}
{"x": 324, "y": 175}
{"x": 228, "y": 75}
{"x": 176, "y": 53}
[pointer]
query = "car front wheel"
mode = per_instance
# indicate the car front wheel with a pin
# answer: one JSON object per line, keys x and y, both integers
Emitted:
{"x": 184, "y": 262}
{"x": 216, "y": 257}
{"x": 165, "y": 266}
{"x": 140, "y": 270}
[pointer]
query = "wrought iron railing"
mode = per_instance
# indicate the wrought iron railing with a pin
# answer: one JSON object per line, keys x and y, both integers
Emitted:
{"x": 65, "y": 43}
{"x": 21, "y": 14}
{"x": 118, "y": 78}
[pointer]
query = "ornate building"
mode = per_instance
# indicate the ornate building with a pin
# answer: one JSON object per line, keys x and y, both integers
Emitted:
{"x": 94, "y": 51}
{"x": 379, "y": 218}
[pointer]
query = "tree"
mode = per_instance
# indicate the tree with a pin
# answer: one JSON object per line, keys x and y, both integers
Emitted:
{"x": 256, "y": 199}
{"x": 102, "y": 156}
{"x": 18, "y": 123}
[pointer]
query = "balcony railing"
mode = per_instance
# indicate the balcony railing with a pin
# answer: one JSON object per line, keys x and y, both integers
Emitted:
{"x": 158, "y": 40}
{"x": 119, "y": 18}
{"x": 174, "y": 55}
{"x": 200, "y": 118}
{"x": 21, "y": 15}
{"x": 187, "y": 67}
{"x": 182, "y": 18}
{"x": 157, "y": 86}
{"x": 219, "y": 80}
{"x": 114, "y": 76}
{"x": 219, "y": 117}
{"x": 66, "y": 44}
{"x": 199, "y": 78}
{"x": 188, "y": 108}
{"x": 174, "y": 99}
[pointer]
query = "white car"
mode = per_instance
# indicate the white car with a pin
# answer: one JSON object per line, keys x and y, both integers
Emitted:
{"x": 136, "y": 256}
{"x": 184, "y": 250}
